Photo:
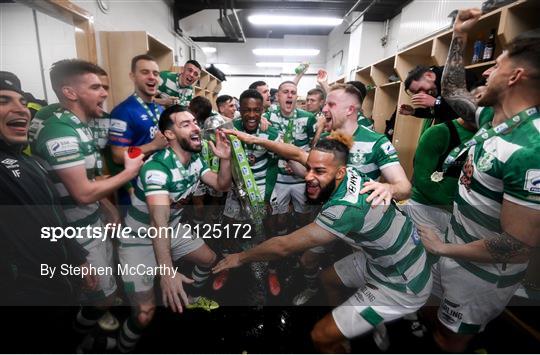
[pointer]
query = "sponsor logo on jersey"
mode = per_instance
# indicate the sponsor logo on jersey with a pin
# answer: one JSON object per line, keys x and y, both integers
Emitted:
{"x": 388, "y": 148}
{"x": 155, "y": 177}
{"x": 60, "y": 147}
{"x": 370, "y": 296}
{"x": 353, "y": 186}
{"x": 118, "y": 126}
{"x": 144, "y": 117}
{"x": 532, "y": 181}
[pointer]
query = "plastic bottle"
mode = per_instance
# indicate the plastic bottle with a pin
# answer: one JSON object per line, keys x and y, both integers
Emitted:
{"x": 478, "y": 52}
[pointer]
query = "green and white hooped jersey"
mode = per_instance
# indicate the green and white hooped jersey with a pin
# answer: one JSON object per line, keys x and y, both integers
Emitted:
{"x": 163, "y": 173}
{"x": 371, "y": 152}
{"x": 64, "y": 142}
{"x": 169, "y": 86}
{"x": 364, "y": 121}
{"x": 263, "y": 163}
{"x": 303, "y": 128}
{"x": 394, "y": 259}
{"x": 99, "y": 126}
{"x": 506, "y": 166}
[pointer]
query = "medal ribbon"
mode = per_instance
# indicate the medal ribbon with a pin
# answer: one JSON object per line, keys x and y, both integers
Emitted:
{"x": 155, "y": 115}
{"x": 482, "y": 135}
{"x": 212, "y": 161}
{"x": 247, "y": 181}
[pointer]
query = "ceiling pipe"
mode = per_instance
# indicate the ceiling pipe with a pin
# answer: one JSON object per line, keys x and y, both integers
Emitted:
{"x": 348, "y": 31}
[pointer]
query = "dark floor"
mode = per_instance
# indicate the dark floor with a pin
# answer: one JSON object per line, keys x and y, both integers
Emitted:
{"x": 235, "y": 329}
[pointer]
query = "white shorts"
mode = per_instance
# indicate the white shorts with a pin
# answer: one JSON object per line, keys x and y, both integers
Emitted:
{"x": 436, "y": 218}
{"x": 373, "y": 303}
{"x": 284, "y": 193}
{"x": 139, "y": 252}
{"x": 468, "y": 303}
{"x": 100, "y": 254}
{"x": 233, "y": 208}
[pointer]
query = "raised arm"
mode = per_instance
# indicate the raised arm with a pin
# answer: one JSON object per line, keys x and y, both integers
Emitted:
{"x": 287, "y": 151}
{"x": 453, "y": 83}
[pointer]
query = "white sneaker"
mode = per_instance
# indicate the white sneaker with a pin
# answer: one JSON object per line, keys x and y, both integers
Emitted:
{"x": 380, "y": 337}
{"x": 304, "y": 296}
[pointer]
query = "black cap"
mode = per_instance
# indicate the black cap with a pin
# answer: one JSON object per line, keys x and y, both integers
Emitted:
{"x": 9, "y": 81}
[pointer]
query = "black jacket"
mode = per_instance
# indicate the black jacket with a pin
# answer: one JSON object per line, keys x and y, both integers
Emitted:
{"x": 442, "y": 111}
{"x": 28, "y": 202}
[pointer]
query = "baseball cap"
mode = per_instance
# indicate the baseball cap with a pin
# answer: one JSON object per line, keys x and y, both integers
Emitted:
{"x": 9, "y": 81}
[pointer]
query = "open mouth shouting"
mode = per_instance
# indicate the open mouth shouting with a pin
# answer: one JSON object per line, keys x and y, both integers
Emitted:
{"x": 312, "y": 189}
{"x": 195, "y": 139}
{"x": 251, "y": 124}
{"x": 289, "y": 104}
{"x": 19, "y": 125}
{"x": 151, "y": 87}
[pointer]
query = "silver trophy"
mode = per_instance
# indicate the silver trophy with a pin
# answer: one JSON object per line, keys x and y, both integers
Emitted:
{"x": 212, "y": 124}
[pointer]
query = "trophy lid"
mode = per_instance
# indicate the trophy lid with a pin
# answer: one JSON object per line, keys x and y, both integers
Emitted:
{"x": 214, "y": 122}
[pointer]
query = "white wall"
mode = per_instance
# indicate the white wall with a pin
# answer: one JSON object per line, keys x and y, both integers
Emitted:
{"x": 337, "y": 41}
{"x": 57, "y": 42}
{"x": 19, "y": 46}
{"x": 421, "y": 18}
{"x": 417, "y": 20}
{"x": 153, "y": 16}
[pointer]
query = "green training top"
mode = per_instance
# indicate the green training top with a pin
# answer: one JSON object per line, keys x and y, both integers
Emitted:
{"x": 434, "y": 145}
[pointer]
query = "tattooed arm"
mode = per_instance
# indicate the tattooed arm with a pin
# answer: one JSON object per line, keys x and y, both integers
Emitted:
{"x": 521, "y": 233}
{"x": 453, "y": 83}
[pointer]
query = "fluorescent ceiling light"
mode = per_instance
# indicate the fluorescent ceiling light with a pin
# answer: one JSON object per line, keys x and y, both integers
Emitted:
{"x": 286, "y": 52}
{"x": 209, "y": 50}
{"x": 294, "y": 20}
{"x": 275, "y": 64}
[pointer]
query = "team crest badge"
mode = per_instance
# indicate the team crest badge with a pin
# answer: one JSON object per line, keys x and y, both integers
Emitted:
{"x": 357, "y": 158}
{"x": 485, "y": 163}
